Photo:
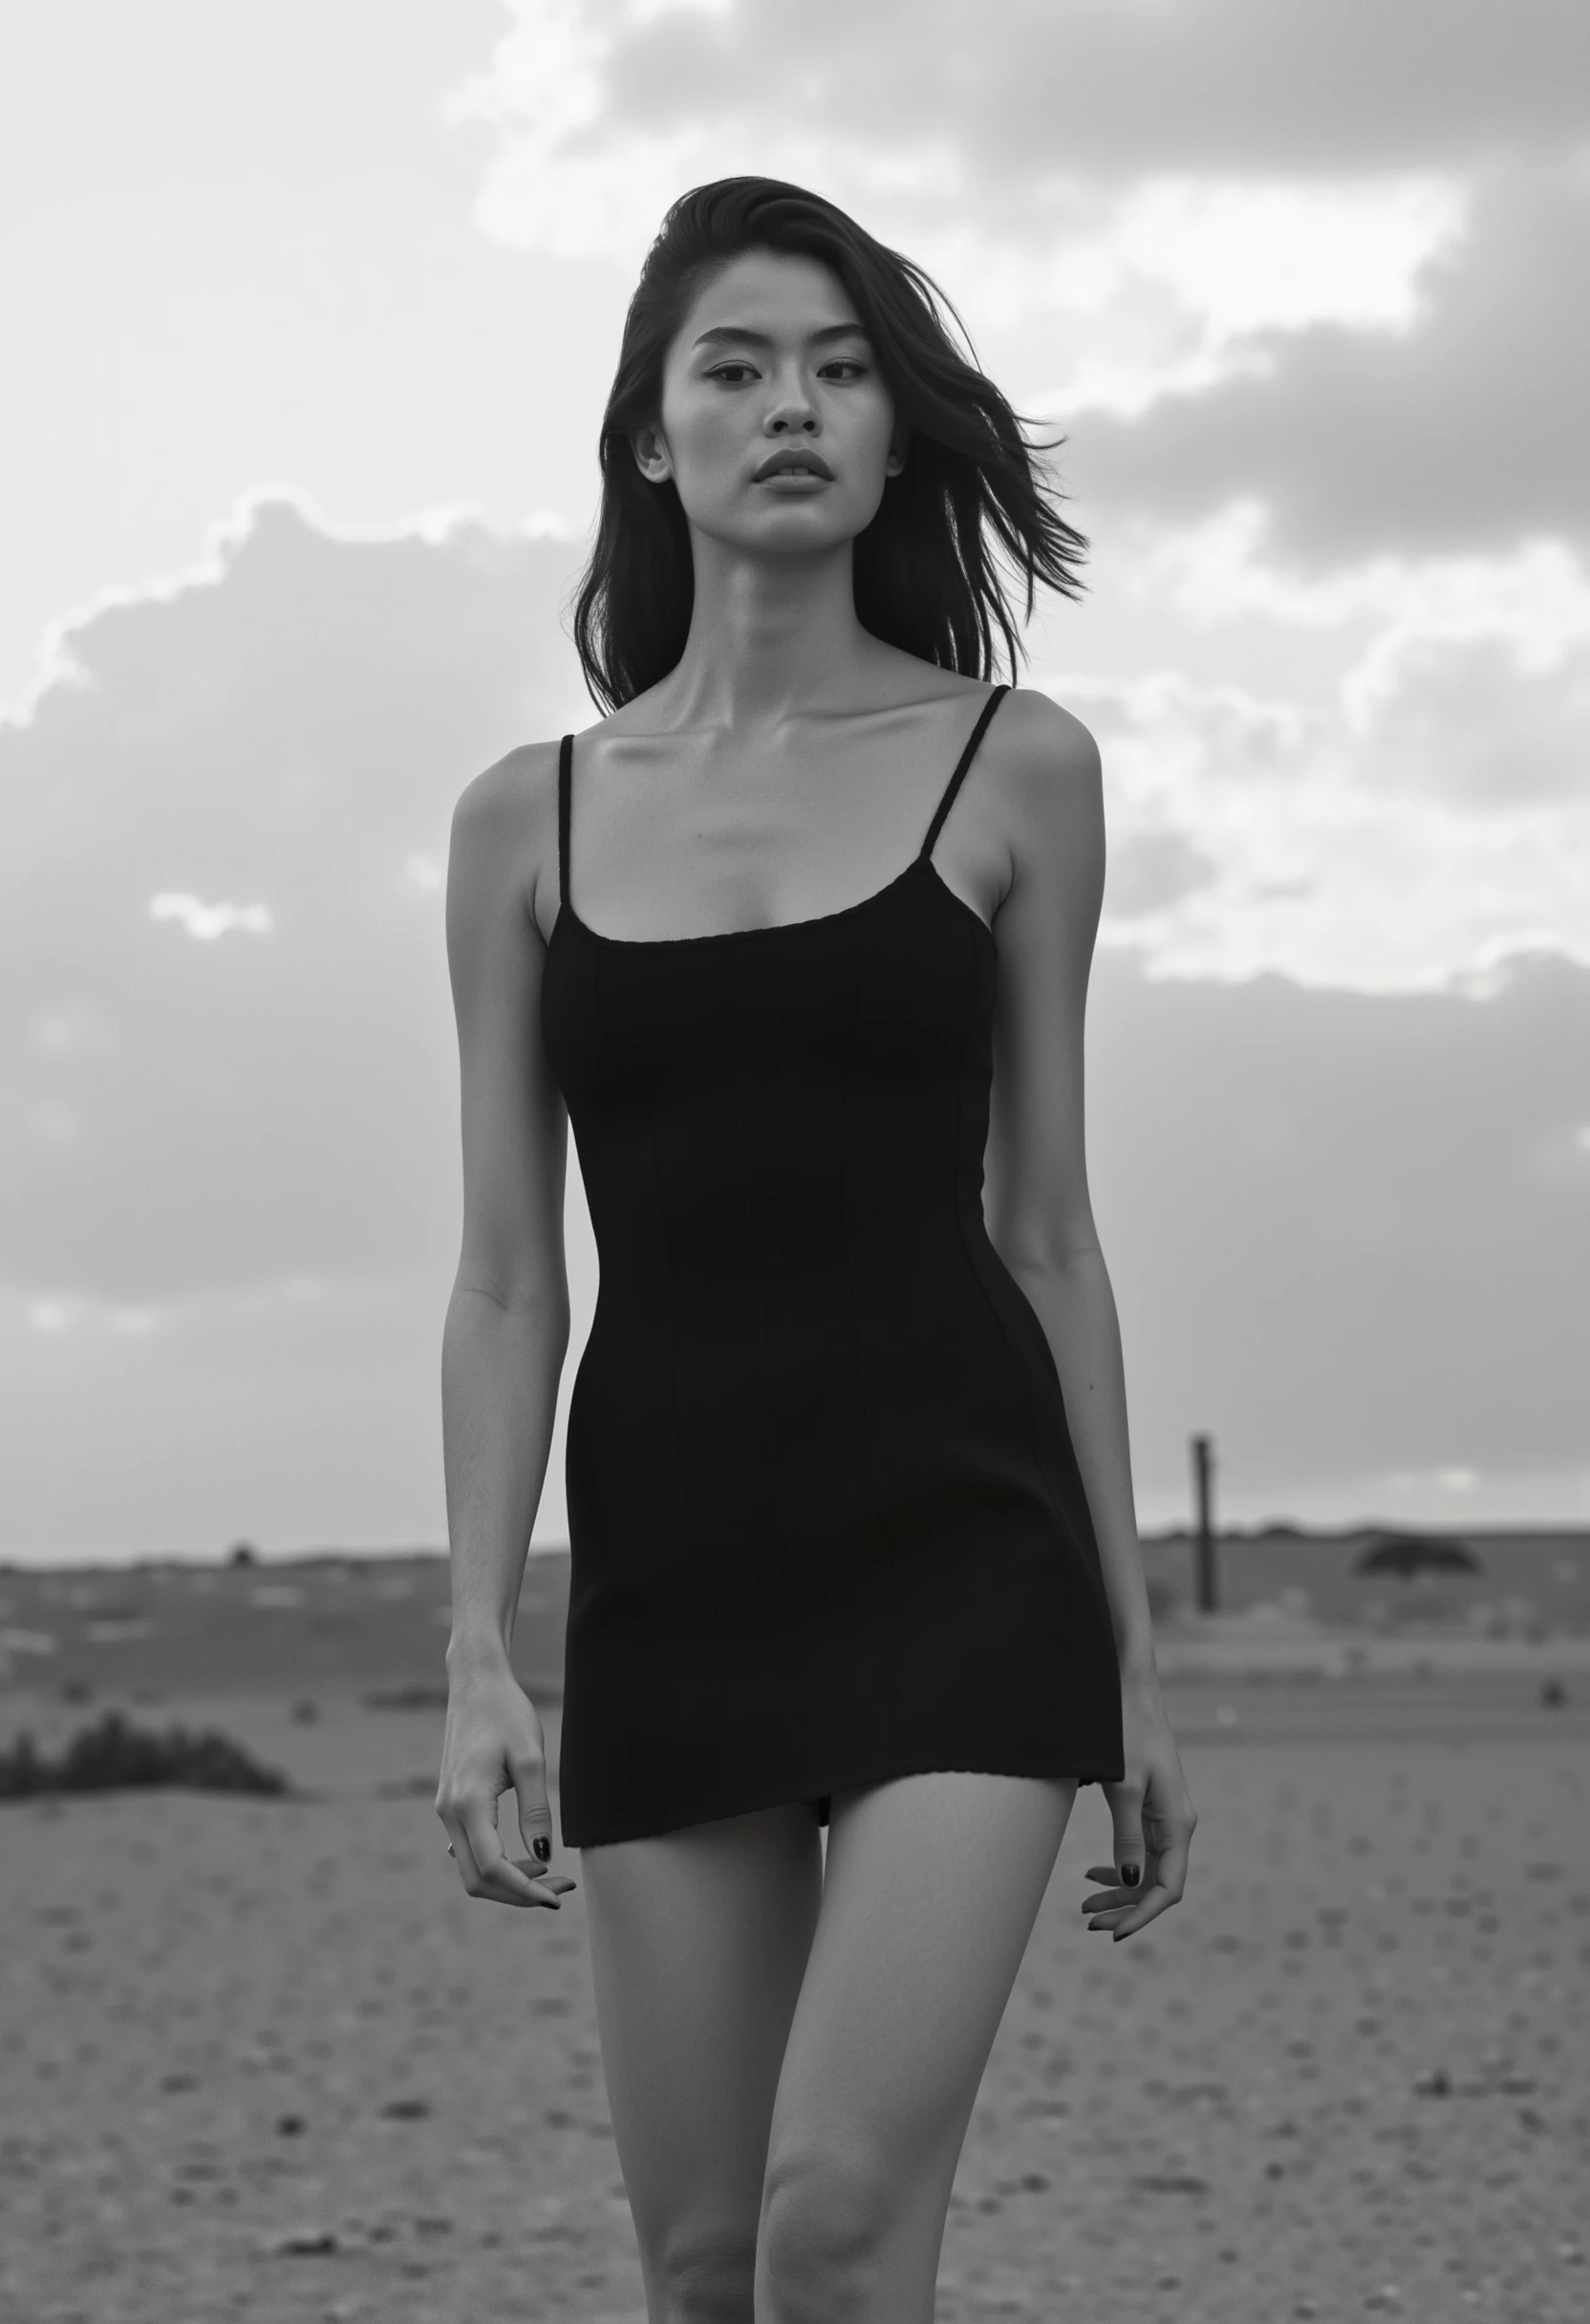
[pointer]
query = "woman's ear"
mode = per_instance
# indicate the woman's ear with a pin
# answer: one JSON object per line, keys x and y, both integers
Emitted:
{"x": 651, "y": 454}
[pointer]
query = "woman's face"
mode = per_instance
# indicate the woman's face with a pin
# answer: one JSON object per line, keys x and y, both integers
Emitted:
{"x": 772, "y": 359}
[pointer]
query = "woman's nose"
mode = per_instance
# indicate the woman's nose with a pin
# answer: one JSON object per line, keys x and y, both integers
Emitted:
{"x": 791, "y": 394}
{"x": 792, "y": 412}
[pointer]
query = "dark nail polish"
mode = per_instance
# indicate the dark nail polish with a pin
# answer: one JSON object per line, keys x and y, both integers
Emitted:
{"x": 541, "y": 1849}
{"x": 1131, "y": 1874}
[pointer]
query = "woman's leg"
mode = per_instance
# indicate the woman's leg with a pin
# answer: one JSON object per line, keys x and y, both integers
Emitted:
{"x": 698, "y": 1942}
{"x": 932, "y": 1886}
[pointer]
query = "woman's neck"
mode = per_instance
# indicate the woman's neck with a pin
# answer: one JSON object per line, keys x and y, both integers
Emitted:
{"x": 771, "y": 639}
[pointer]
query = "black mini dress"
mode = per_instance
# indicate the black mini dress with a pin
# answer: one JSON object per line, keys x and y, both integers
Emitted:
{"x": 825, "y": 1521}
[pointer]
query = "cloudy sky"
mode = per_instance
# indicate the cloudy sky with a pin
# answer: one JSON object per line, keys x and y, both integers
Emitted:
{"x": 310, "y": 310}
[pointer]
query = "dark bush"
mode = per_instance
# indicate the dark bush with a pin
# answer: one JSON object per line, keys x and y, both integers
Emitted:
{"x": 1408, "y": 1553}
{"x": 114, "y": 1757}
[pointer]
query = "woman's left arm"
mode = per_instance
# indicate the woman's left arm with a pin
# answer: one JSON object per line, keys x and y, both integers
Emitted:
{"x": 1040, "y": 1221}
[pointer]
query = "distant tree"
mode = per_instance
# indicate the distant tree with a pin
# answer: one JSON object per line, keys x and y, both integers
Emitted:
{"x": 244, "y": 1553}
{"x": 1408, "y": 1553}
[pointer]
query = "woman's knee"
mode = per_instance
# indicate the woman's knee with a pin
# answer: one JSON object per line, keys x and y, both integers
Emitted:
{"x": 706, "y": 2276}
{"x": 827, "y": 2211}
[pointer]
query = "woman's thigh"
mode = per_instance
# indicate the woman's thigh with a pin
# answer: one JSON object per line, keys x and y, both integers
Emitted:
{"x": 932, "y": 1886}
{"x": 698, "y": 1942}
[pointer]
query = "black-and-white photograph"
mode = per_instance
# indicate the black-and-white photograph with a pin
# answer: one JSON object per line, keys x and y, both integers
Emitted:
{"x": 794, "y": 1162}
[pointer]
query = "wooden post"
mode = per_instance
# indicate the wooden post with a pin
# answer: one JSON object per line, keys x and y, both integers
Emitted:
{"x": 1203, "y": 1462}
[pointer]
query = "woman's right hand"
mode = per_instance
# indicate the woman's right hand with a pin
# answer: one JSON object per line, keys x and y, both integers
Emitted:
{"x": 493, "y": 1744}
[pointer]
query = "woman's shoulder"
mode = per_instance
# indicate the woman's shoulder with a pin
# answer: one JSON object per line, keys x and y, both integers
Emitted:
{"x": 1043, "y": 788}
{"x": 1028, "y": 731}
{"x": 1051, "y": 797}
{"x": 1045, "y": 734}
{"x": 505, "y": 824}
{"x": 516, "y": 795}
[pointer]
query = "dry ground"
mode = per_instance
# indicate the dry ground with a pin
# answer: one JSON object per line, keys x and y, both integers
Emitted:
{"x": 265, "y": 2059}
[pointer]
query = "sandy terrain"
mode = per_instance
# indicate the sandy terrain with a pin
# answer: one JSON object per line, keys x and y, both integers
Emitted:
{"x": 265, "y": 2059}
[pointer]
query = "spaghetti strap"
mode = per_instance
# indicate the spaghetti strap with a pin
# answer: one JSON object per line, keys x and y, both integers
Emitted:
{"x": 566, "y": 758}
{"x": 966, "y": 757}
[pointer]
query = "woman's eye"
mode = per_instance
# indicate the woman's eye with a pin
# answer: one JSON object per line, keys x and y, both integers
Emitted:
{"x": 839, "y": 363}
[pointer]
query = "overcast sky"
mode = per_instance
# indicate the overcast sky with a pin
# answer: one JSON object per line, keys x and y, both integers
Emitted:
{"x": 310, "y": 310}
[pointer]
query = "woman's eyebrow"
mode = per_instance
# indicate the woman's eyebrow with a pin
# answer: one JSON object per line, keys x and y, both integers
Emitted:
{"x": 722, "y": 332}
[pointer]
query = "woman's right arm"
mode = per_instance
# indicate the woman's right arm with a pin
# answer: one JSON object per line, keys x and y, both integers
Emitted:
{"x": 506, "y": 1328}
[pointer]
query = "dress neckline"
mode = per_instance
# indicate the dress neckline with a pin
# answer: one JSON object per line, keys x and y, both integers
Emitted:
{"x": 775, "y": 928}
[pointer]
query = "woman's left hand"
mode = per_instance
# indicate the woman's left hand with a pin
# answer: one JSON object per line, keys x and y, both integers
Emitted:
{"x": 1154, "y": 1815}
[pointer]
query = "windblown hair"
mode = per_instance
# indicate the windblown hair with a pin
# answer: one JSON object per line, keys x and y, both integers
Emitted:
{"x": 922, "y": 575}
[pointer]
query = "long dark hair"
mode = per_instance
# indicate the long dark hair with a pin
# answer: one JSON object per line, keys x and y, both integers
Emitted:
{"x": 922, "y": 575}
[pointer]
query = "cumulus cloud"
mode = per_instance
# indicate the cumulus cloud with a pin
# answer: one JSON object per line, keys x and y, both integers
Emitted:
{"x": 1415, "y": 811}
{"x": 1359, "y": 1213}
{"x": 603, "y": 98}
{"x": 1227, "y": 568}
{"x": 204, "y": 922}
{"x": 1319, "y": 256}
{"x": 1151, "y": 871}
{"x": 1460, "y": 435}
{"x": 225, "y": 1016}
{"x": 1471, "y": 724}
{"x": 1388, "y": 852}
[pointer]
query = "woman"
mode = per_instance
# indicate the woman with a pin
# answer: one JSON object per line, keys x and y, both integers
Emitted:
{"x": 851, "y": 1506}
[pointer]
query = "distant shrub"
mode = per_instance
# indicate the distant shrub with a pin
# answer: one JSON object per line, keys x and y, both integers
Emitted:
{"x": 243, "y": 1553}
{"x": 114, "y": 1757}
{"x": 1408, "y": 1553}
